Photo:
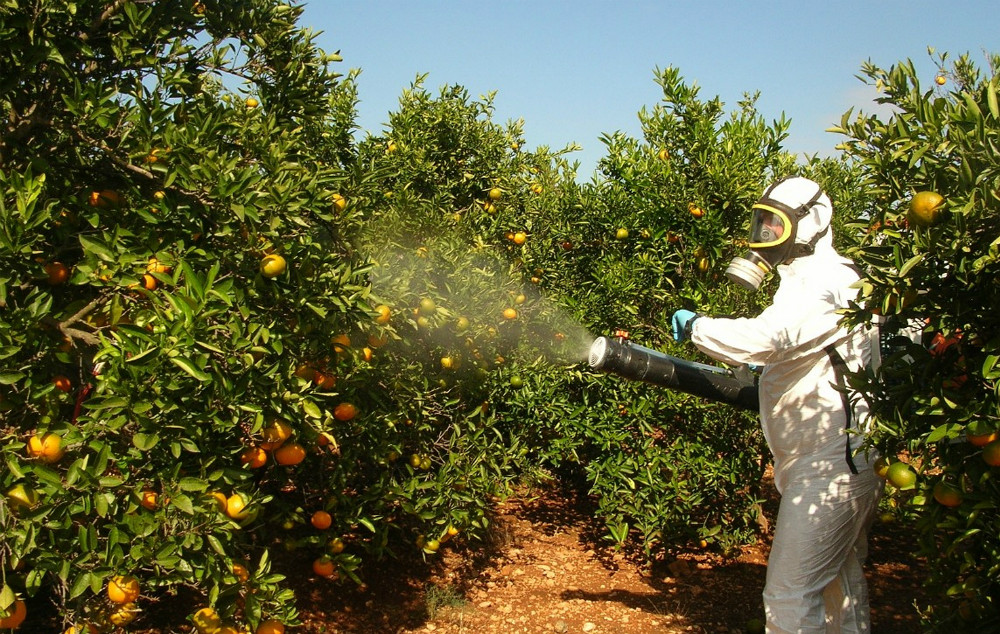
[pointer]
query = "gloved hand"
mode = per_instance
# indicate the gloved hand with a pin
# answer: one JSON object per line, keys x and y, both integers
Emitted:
{"x": 679, "y": 322}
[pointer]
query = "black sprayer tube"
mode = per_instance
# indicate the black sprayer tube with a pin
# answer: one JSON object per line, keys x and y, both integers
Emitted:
{"x": 632, "y": 361}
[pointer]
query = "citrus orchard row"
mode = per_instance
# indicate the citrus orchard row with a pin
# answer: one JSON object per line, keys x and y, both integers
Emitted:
{"x": 230, "y": 329}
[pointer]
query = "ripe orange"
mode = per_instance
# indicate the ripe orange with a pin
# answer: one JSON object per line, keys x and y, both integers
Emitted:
{"x": 901, "y": 476}
{"x": 62, "y": 383}
{"x": 149, "y": 500}
{"x": 251, "y": 102}
{"x": 940, "y": 80}
{"x": 447, "y": 363}
{"x": 345, "y": 411}
{"x": 57, "y": 273}
{"x": 509, "y": 313}
{"x": 305, "y": 371}
{"x": 324, "y": 566}
{"x": 495, "y": 193}
{"x": 519, "y": 238}
{"x": 155, "y": 266}
{"x": 272, "y": 265}
{"x": 124, "y": 615}
{"x": 236, "y": 506}
{"x": 536, "y": 188}
{"x": 271, "y": 626}
{"x": 621, "y": 234}
{"x": 276, "y": 434}
{"x": 47, "y": 447}
{"x": 384, "y": 314}
{"x": 105, "y": 199}
{"x": 324, "y": 380}
{"x": 947, "y": 494}
{"x": 335, "y": 545}
{"x": 695, "y": 210}
{"x": 206, "y": 620}
{"x": 220, "y": 500}
{"x": 339, "y": 202}
{"x": 991, "y": 453}
{"x": 241, "y": 573}
{"x": 341, "y": 343}
{"x": 255, "y": 457}
{"x": 148, "y": 282}
{"x": 123, "y": 589}
{"x": 663, "y": 154}
{"x": 290, "y": 454}
{"x": 432, "y": 545}
{"x": 321, "y": 520}
{"x": 17, "y": 613}
{"x": 980, "y": 437}
{"x": 925, "y": 209}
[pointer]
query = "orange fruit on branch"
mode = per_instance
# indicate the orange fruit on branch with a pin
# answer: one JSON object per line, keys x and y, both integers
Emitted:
{"x": 255, "y": 457}
{"x": 321, "y": 520}
{"x": 925, "y": 209}
{"x": 901, "y": 476}
{"x": 272, "y": 265}
{"x": 16, "y": 613}
{"x": 345, "y": 411}
{"x": 271, "y": 626}
{"x": 947, "y": 494}
{"x": 47, "y": 447}
{"x": 149, "y": 500}
{"x": 57, "y": 273}
{"x": 991, "y": 453}
{"x": 324, "y": 566}
{"x": 123, "y": 589}
{"x": 276, "y": 434}
{"x": 290, "y": 454}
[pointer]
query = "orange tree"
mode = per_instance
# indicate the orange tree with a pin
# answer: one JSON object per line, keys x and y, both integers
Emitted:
{"x": 444, "y": 190}
{"x": 931, "y": 256}
{"x": 173, "y": 247}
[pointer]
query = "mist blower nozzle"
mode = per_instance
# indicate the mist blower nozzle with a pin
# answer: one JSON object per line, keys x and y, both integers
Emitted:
{"x": 631, "y": 361}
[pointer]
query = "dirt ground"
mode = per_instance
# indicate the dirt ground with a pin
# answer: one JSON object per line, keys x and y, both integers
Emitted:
{"x": 547, "y": 571}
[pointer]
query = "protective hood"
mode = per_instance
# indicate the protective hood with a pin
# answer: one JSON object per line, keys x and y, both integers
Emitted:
{"x": 789, "y": 222}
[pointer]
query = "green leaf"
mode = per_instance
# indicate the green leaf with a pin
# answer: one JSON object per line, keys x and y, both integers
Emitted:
{"x": 991, "y": 366}
{"x": 909, "y": 264}
{"x": 183, "y": 503}
{"x": 145, "y": 442}
{"x": 10, "y": 378}
{"x": 188, "y": 366}
{"x": 311, "y": 409}
{"x": 98, "y": 249}
{"x": 80, "y": 585}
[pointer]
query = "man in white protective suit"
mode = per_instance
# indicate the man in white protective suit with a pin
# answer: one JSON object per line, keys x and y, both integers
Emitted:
{"x": 829, "y": 492}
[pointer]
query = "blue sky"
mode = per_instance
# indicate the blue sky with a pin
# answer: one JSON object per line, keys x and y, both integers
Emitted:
{"x": 574, "y": 69}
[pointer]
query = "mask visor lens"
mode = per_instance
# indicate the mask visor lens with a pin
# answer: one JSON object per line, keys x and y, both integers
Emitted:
{"x": 768, "y": 227}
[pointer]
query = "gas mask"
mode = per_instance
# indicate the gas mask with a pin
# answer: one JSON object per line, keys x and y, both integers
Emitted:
{"x": 773, "y": 225}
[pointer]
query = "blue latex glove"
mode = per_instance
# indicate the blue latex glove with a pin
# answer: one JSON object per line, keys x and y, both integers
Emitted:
{"x": 679, "y": 323}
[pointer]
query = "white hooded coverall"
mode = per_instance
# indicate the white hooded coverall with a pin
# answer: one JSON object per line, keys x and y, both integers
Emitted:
{"x": 815, "y": 582}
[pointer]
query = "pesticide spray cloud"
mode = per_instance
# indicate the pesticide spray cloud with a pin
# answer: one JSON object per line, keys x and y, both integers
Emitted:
{"x": 473, "y": 305}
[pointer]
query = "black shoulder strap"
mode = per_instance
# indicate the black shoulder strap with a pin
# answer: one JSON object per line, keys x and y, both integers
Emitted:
{"x": 840, "y": 371}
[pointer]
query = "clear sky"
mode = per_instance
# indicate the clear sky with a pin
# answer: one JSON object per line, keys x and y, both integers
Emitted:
{"x": 574, "y": 69}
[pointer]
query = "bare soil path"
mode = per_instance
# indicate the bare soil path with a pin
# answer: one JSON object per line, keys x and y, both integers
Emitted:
{"x": 547, "y": 571}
